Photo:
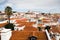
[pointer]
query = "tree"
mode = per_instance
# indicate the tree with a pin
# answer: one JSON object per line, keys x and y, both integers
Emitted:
{"x": 10, "y": 26}
{"x": 8, "y": 11}
{"x": 47, "y": 27}
{"x": 39, "y": 28}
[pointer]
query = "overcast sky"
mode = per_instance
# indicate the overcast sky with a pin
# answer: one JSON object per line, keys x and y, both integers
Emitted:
{"x": 35, "y": 5}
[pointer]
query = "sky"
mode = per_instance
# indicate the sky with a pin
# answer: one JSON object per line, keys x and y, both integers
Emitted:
{"x": 52, "y": 6}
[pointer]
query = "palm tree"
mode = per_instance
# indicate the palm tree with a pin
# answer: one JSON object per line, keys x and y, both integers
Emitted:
{"x": 8, "y": 11}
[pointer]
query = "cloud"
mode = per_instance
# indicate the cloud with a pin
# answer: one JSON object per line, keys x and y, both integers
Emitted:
{"x": 34, "y": 4}
{"x": 9, "y": 4}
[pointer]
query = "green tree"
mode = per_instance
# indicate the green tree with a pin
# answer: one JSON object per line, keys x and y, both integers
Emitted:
{"x": 39, "y": 28}
{"x": 8, "y": 11}
{"x": 47, "y": 27}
